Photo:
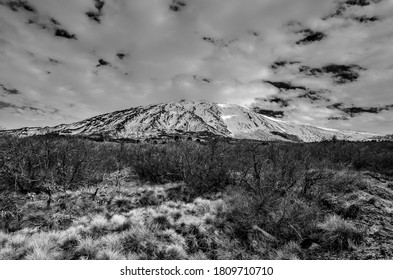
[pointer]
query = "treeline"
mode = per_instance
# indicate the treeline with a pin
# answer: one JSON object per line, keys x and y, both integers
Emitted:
{"x": 33, "y": 164}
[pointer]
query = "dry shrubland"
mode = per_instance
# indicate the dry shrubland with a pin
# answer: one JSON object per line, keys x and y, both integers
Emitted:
{"x": 72, "y": 198}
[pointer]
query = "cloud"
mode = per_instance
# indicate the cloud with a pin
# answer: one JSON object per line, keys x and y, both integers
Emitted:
{"x": 269, "y": 113}
{"x": 122, "y": 55}
{"x": 365, "y": 19}
{"x": 163, "y": 50}
{"x": 345, "y": 8}
{"x": 281, "y": 102}
{"x": 97, "y": 13}
{"x": 9, "y": 90}
{"x": 341, "y": 74}
{"x": 177, "y": 5}
{"x": 6, "y": 105}
{"x": 310, "y": 36}
{"x": 16, "y": 5}
{"x": 102, "y": 62}
{"x": 282, "y": 63}
{"x": 353, "y": 111}
{"x": 65, "y": 34}
{"x": 27, "y": 108}
{"x": 314, "y": 95}
{"x": 285, "y": 85}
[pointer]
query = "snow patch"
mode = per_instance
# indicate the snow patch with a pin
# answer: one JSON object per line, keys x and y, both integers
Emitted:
{"x": 275, "y": 120}
{"x": 227, "y": 117}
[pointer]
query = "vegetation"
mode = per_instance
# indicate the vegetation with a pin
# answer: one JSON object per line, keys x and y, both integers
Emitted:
{"x": 73, "y": 198}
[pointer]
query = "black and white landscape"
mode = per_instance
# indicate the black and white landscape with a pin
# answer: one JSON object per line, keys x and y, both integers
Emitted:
{"x": 196, "y": 129}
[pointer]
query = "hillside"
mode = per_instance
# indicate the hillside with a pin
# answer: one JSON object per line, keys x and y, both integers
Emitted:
{"x": 188, "y": 117}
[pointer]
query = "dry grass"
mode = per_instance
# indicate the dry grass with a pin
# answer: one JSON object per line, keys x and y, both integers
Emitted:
{"x": 131, "y": 220}
{"x": 339, "y": 234}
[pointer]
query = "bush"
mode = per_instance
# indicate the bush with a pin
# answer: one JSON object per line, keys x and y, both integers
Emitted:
{"x": 157, "y": 164}
{"x": 205, "y": 169}
{"x": 42, "y": 163}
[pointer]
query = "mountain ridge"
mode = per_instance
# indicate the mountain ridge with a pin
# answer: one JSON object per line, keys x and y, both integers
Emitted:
{"x": 194, "y": 117}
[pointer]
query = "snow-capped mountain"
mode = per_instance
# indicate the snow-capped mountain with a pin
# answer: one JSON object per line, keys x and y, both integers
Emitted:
{"x": 188, "y": 117}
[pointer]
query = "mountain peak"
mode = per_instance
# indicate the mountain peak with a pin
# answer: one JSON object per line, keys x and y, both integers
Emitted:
{"x": 196, "y": 117}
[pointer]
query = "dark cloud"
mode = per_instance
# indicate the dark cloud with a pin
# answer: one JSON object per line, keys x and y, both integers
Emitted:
{"x": 365, "y": 19}
{"x": 314, "y": 95}
{"x": 121, "y": 55}
{"x": 310, "y": 36}
{"x": 210, "y": 40}
{"x": 285, "y": 85}
{"x": 357, "y": 110}
{"x": 99, "y": 4}
{"x": 341, "y": 74}
{"x": 31, "y": 108}
{"x": 281, "y": 102}
{"x": 343, "y": 6}
{"x": 218, "y": 42}
{"x": 269, "y": 113}
{"x": 17, "y": 5}
{"x": 53, "y": 61}
{"x": 54, "y": 21}
{"x": 343, "y": 9}
{"x": 177, "y": 5}
{"x": 282, "y": 63}
{"x": 40, "y": 25}
{"x": 202, "y": 79}
{"x": 65, "y": 34}
{"x": 52, "y": 25}
{"x": 102, "y": 62}
{"x": 357, "y": 2}
{"x": 95, "y": 15}
{"x": 342, "y": 118}
{"x": 4, "y": 105}
{"x": 10, "y": 90}
{"x": 306, "y": 93}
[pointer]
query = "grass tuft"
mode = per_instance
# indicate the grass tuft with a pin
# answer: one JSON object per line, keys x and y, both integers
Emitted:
{"x": 339, "y": 234}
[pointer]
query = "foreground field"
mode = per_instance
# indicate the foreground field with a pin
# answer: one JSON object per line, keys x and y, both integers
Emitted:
{"x": 136, "y": 221}
{"x": 272, "y": 203}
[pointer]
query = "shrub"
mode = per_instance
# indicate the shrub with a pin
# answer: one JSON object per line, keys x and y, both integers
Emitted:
{"x": 157, "y": 164}
{"x": 205, "y": 169}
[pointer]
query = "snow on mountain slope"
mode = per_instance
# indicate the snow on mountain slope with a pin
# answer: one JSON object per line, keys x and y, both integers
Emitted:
{"x": 187, "y": 116}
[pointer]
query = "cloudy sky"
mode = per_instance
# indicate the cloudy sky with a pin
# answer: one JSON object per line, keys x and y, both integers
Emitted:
{"x": 322, "y": 62}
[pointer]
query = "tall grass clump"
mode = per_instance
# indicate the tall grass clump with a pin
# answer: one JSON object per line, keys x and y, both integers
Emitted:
{"x": 339, "y": 234}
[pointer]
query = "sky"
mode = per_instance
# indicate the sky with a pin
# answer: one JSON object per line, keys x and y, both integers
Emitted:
{"x": 327, "y": 63}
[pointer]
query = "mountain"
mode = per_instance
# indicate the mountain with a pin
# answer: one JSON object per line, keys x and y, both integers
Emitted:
{"x": 388, "y": 137}
{"x": 193, "y": 119}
